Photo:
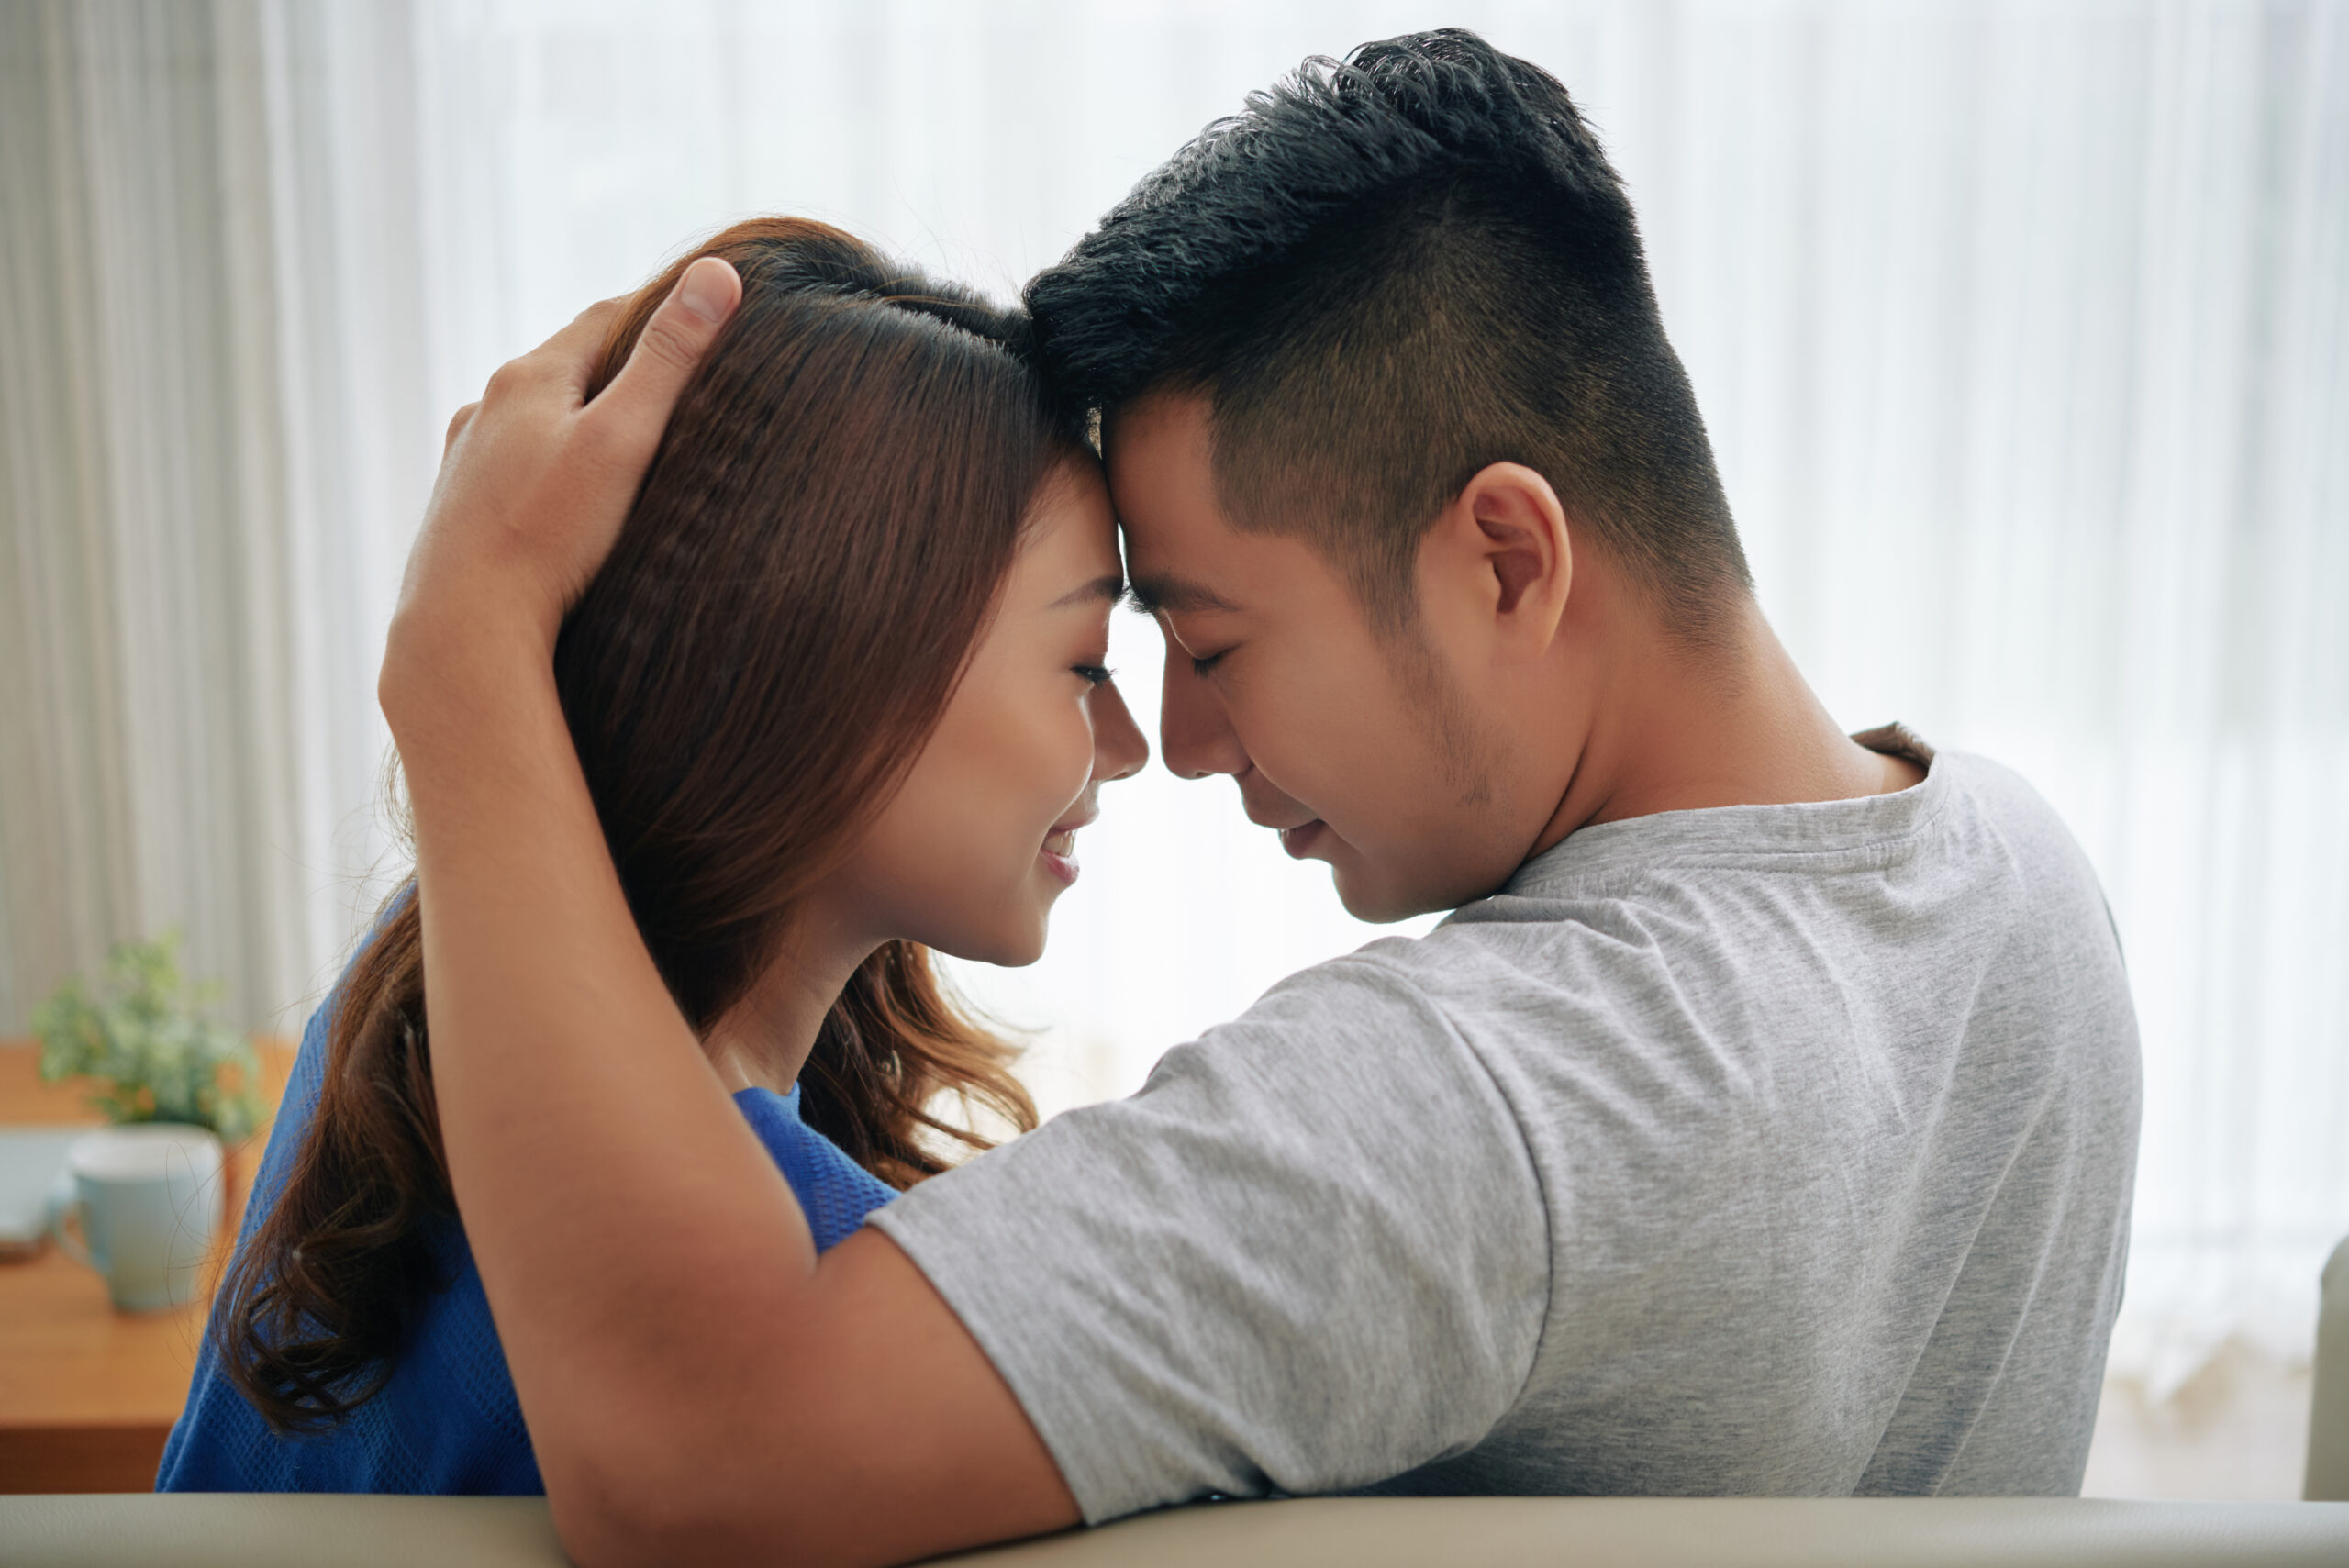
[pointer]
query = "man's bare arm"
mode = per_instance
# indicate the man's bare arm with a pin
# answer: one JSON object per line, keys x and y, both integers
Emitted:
{"x": 698, "y": 1383}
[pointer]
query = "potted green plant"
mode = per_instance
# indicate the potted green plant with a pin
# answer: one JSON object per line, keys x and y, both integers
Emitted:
{"x": 146, "y": 1037}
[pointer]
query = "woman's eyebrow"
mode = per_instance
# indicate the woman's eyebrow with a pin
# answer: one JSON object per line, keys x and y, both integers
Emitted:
{"x": 1104, "y": 590}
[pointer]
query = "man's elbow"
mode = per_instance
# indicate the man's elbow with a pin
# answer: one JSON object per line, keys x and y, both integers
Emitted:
{"x": 647, "y": 1505}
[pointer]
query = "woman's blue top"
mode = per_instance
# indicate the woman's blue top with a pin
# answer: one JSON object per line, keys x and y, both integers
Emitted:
{"x": 448, "y": 1420}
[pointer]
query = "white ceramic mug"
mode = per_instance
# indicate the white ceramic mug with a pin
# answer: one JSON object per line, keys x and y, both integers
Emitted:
{"x": 145, "y": 1199}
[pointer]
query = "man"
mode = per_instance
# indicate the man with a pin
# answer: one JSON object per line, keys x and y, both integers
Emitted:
{"x": 1761, "y": 1122}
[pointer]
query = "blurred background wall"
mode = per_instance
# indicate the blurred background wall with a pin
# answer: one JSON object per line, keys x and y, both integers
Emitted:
{"x": 2022, "y": 331}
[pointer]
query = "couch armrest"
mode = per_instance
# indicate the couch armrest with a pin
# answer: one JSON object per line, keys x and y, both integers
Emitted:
{"x": 219, "y": 1531}
{"x": 2328, "y": 1474}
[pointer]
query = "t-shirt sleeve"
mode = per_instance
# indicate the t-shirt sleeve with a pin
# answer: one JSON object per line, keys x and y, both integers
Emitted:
{"x": 1310, "y": 1254}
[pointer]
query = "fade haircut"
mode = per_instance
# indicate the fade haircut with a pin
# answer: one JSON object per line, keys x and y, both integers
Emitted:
{"x": 1384, "y": 275}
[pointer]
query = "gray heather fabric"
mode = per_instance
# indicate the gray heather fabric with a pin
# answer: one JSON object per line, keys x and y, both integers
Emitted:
{"x": 1767, "y": 1149}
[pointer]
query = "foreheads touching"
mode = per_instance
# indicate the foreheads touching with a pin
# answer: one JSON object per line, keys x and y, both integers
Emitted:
{"x": 818, "y": 546}
{"x": 1396, "y": 307}
{"x": 1382, "y": 276}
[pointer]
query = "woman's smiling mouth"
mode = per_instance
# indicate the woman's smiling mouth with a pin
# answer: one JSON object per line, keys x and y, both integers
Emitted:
{"x": 1059, "y": 854}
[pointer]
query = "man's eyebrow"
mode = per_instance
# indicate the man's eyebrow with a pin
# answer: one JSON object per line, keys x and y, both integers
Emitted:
{"x": 1104, "y": 589}
{"x": 1152, "y": 595}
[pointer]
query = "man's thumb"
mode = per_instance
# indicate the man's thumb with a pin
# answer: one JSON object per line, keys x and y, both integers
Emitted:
{"x": 672, "y": 345}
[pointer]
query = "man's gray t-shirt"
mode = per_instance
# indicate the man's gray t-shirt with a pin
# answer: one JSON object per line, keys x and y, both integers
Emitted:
{"x": 1762, "y": 1149}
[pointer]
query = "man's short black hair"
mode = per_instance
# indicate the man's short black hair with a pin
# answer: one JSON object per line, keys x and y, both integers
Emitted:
{"x": 1384, "y": 275}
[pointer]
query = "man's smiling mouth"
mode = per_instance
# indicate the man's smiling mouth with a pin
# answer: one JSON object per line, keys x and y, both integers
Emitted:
{"x": 1300, "y": 840}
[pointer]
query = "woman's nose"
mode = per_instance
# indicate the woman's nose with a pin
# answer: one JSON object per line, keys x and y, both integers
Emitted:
{"x": 1119, "y": 748}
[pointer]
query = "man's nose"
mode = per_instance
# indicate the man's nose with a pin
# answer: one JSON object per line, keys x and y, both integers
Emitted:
{"x": 1194, "y": 735}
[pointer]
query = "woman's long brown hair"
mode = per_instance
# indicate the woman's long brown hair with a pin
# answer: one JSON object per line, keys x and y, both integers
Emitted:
{"x": 817, "y": 546}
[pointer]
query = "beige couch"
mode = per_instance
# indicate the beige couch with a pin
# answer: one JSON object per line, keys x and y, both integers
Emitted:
{"x": 1587, "y": 1532}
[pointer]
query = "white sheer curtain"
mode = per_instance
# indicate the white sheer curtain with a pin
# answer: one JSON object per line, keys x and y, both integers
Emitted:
{"x": 2020, "y": 328}
{"x": 147, "y": 581}
{"x": 215, "y": 441}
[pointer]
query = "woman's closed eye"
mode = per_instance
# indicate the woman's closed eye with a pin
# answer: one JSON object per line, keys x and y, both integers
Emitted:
{"x": 1203, "y": 664}
{"x": 1094, "y": 675}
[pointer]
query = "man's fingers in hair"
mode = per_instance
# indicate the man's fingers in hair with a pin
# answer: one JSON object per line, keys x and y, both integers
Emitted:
{"x": 457, "y": 423}
{"x": 634, "y": 410}
{"x": 560, "y": 365}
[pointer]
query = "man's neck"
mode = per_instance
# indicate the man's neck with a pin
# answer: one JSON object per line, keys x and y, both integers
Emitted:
{"x": 1734, "y": 724}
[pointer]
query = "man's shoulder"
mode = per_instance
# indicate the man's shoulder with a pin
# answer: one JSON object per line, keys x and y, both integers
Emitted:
{"x": 1449, "y": 988}
{"x": 1656, "y": 935}
{"x": 1984, "y": 788}
{"x": 1656, "y": 924}
{"x": 1451, "y": 1014}
{"x": 1998, "y": 818}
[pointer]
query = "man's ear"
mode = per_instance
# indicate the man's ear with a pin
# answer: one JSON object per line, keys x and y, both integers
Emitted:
{"x": 1506, "y": 533}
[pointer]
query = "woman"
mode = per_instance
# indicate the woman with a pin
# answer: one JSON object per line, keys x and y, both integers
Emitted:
{"x": 838, "y": 697}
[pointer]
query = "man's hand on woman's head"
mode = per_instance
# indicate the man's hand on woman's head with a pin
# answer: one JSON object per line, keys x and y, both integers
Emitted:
{"x": 534, "y": 484}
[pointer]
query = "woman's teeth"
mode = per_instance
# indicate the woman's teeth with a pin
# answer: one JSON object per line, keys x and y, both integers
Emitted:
{"x": 1062, "y": 844}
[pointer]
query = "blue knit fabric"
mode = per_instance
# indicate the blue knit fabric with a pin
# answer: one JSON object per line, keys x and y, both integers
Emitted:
{"x": 448, "y": 1421}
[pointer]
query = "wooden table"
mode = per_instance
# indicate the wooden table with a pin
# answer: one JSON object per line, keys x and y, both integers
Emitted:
{"x": 87, "y": 1393}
